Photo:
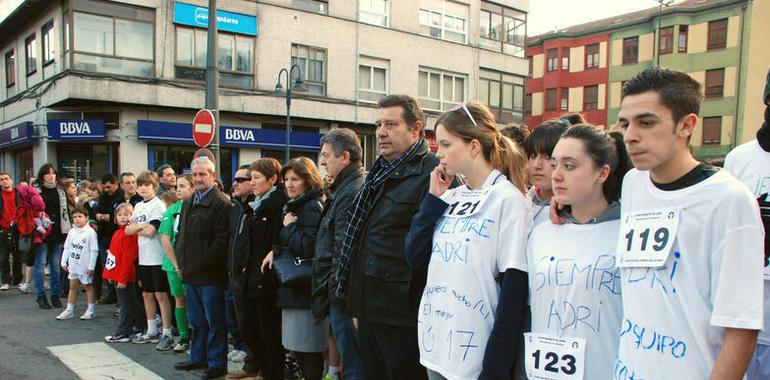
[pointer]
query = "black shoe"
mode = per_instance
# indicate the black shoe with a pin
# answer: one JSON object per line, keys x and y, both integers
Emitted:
{"x": 106, "y": 300}
{"x": 43, "y": 302}
{"x": 56, "y": 303}
{"x": 214, "y": 373}
{"x": 189, "y": 366}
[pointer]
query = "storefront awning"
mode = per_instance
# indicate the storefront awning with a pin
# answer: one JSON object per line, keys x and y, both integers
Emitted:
{"x": 18, "y": 134}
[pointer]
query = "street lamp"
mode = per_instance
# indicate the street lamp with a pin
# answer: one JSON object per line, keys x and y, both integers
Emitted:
{"x": 297, "y": 86}
{"x": 661, "y": 3}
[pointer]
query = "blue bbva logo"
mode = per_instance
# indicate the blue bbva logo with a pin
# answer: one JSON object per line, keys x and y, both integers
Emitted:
{"x": 202, "y": 16}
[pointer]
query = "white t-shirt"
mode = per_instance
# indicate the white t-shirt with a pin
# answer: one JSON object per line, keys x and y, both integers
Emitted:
{"x": 81, "y": 249}
{"x": 150, "y": 249}
{"x": 751, "y": 165}
{"x": 674, "y": 317}
{"x": 457, "y": 310}
{"x": 574, "y": 288}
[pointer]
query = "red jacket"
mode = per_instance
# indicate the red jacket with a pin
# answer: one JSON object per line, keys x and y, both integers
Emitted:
{"x": 124, "y": 250}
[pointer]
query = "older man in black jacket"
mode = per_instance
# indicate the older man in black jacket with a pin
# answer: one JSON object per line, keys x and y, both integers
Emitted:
{"x": 201, "y": 250}
{"x": 341, "y": 156}
{"x": 372, "y": 274}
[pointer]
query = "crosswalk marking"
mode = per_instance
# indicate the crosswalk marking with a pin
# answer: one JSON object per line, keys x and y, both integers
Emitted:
{"x": 100, "y": 361}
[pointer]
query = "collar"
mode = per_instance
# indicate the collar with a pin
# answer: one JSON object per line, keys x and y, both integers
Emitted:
{"x": 198, "y": 197}
{"x": 344, "y": 175}
{"x": 611, "y": 213}
{"x": 413, "y": 166}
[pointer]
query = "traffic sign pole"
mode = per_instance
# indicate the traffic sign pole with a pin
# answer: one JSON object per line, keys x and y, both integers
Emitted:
{"x": 212, "y": 81}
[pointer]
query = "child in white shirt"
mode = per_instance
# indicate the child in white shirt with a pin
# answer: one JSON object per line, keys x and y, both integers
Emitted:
{"x": 81, "y": 249}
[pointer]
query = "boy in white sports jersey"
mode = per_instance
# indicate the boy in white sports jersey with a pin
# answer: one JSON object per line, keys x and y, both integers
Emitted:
{"x": 690, "y": 244}
{"x": 79, "y": 259}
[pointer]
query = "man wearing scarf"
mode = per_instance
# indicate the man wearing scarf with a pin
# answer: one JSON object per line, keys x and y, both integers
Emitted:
{"x": 372, "y": 277}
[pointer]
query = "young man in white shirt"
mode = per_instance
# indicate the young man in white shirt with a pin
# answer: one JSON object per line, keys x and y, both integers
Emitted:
{"x": 690, "y": 244}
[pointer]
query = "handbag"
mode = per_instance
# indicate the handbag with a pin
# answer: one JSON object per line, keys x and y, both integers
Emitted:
{"x": 293, "y": 272}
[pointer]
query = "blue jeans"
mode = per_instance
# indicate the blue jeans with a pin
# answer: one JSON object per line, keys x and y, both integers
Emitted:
{"x": 52, "y": 253}
{"x": 206, "y": 312}
{"x": 347, "y": 342}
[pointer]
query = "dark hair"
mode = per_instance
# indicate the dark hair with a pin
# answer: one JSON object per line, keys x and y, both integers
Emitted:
{"x": 676, "y": 90}
{"x": 605, "y": 149}
{"x": 269, "y": 167}
{"x": 47, "y": 167}
{"x": 161, "y": 168}
{"x": 244, "y": 166}
{"x": 79, "y": 210}
{"x": 544, "y": 138}
{"x": 126, "y": 174}
{"x": 109, "y": 178}
{"x": 169, "y": 197}
{"x": 573, "y": 118}
{"x": 343, "y": 140}
{"x": 304, "y": 168}
{"x": 517, "y": 133}
{"x": 412, "y": 112}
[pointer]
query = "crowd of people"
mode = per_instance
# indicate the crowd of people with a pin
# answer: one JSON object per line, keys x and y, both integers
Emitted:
{"x": 568, "y": 252}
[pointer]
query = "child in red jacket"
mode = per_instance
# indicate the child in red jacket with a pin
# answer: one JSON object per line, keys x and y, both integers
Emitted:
{"x": 120, "y": 267}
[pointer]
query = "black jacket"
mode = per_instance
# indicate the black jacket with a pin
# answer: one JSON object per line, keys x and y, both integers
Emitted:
{"x": 266, "y": 223}
{"x": 331, "y": 232}
{"x": 298, "y": 240}
{"x": 201, "y": 247}
{"x": 107, "y": 205}
{"x": 240, "y": 230}
{"x": 382, "y": 288}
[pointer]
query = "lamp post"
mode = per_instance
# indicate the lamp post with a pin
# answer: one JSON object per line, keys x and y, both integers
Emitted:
{"x": 661, "y": 3}
{"x": 297, "y": 86}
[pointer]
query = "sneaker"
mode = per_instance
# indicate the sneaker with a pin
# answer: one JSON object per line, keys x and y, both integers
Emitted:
{"x": 5, "y": 287}
{"x": 88, "y": 315}
{"x": 117, "y": 338}
{"x": 166, "y": 343}
{"x": 182, "y": 346}
{"x": 66, "y": 314}
{"x": 236, "y": 356}
{"x": 144, "y": 338}
{"x": 23, "y": 287}
{"x": 42, "y": 301}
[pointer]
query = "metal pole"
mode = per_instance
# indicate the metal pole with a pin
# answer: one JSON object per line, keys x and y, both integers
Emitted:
{"x": 212, "y": 80}
{"x": 288, "y": 120}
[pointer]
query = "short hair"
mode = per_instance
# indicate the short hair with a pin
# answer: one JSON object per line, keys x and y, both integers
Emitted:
{"x": 343, "y": 140}
{"x": 5, "y": 173}
{"x": 169, "y": 197}
{"x": 517, "y": 133}
{"x": 412, "y": 112}
{"x": 573, "y": 118}
{"x": 161, "y": 168}
{"x": 306, "y": 170}
{"x": 109, "y": 178}
{"x": 126, "y": 205}
{"x": 543, "y": 139}
{"x": 244, "y": 166}
{"x": 147, "y": 178}
{"x": 126, "y": 174}
{"x": 676, "y": 90}
{"x": 79, "y": 210}
{"x": 268, "y": 167}
{"x": 204, "y": 160}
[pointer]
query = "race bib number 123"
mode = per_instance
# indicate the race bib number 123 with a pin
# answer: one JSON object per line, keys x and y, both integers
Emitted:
{"x": 554, "y": 358}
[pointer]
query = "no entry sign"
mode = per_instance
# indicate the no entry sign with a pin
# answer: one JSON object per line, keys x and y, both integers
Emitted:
{"x": 203, "y": 128}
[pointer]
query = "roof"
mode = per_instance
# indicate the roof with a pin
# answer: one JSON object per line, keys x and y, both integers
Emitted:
{"x": 20, "y": 16}
{"x": 607, "y": 24}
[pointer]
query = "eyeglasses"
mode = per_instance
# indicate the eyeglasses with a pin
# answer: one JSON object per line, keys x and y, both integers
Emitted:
{"x": 467, "y": 112}
{"x": 241, "y": 179}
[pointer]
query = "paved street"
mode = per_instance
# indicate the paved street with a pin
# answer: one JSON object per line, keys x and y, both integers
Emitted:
{"x": 34, "y": 345}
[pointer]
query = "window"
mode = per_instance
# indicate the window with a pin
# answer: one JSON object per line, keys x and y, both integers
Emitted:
{"x": 30, "y": 54}
{"x": 590, "y": 98}
{"x": 10, "y": 68}
{"x": 564, "y": 99}
{"x": 373, "y": 12}
{"x": 46, "y": 37}
{"x": 552, "y": 60}
{"x": 529, "y": 59}
{"x": 312, "y": 64}
{"x": 717, "y": 35}
{"x": 372, "y": 79}
{"x": 503, "y": 29}
{"x": 235, "y": 57}
{"x": 666, "y": 41}
{"x": 438, "y": 90}
{"x": 528, "y": 105}
{"x": 715, "y": 82}
{"x": 550, "y": 99}
{"x": 630, "y": 50}
{"x": 503, "y": 93}
{"x": 318, "y": 6}
{"x": 683, "y": 38}
{"x": 592, "y": 56}
{"x": 565, "y": 59}
{"x": 712, "y": 130}
{"x": 115, "y": 41}
{"x": 443, "y": 19}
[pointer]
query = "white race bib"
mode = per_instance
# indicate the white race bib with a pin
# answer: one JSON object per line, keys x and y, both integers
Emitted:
{"x": 554, "y": 358}
{"x": 110, "y": 262}
{"x": 466, "y": 202}
{"x": 646, "y": 237}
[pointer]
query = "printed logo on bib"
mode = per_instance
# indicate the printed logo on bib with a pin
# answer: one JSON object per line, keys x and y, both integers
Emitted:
{"x": 466, "y": 202}
{"x": 110, "y": 262}
{"x": 554, "y": 358}
{"x": 646, "y": 237}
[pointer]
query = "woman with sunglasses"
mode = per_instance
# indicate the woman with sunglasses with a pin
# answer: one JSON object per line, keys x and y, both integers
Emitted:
{"x": 467, "y": 237}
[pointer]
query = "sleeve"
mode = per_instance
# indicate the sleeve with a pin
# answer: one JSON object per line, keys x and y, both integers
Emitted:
{"x": 217, "y": 249}
{"x": 66, "y": 253}
{"x": 419, "y": 240}
{"x": 93, "y": 249}
{"x": 167, "y": 224}
{"x": 299, "y": 236}
{"x": 515, "y": 226}
{"x": 737, "y": 279}
{"x": 156, "y": 213}
{"x": 130, "y": 253}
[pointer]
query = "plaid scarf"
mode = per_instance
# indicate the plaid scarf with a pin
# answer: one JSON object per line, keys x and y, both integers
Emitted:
{"x": 362, "y": 204}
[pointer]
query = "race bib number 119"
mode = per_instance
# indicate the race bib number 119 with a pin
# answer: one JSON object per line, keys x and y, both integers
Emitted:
{"x": 646, "y": 237}
{"x": 554, "y": 358}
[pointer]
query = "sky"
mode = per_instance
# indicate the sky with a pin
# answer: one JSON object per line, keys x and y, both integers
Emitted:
{"x": 547, "y": 15}
{"x": 6, "y": 6}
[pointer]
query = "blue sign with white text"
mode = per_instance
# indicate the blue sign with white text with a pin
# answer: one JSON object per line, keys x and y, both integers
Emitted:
{"x": 18, "y": 134}
{"x": 193, "y": 15}
{"x": 76, "y": 129}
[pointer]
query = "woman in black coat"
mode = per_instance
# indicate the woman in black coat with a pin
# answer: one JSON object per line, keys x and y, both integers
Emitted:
{"x": 301, "y": 333}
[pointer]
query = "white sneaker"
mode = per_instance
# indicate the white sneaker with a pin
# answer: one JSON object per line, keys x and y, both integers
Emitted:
{"x": 23, "y": 287}
{"x": 237, "y": 356}
{"x": 5, "y": 287}
{"x": 66, "y": 314}
{"x": 87, "y": 316}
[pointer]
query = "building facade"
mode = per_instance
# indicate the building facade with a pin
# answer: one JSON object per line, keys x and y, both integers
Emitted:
{"x": 98, "y": 86}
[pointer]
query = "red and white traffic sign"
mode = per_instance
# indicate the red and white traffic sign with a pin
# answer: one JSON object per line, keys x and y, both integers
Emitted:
{"x": 203, "y": 128}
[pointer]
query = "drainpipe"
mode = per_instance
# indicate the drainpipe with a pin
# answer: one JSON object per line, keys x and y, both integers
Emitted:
{"x": 734, "y": 141}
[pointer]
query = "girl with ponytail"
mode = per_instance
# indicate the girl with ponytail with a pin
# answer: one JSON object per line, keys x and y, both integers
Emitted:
{"x": 468, "y": 237}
